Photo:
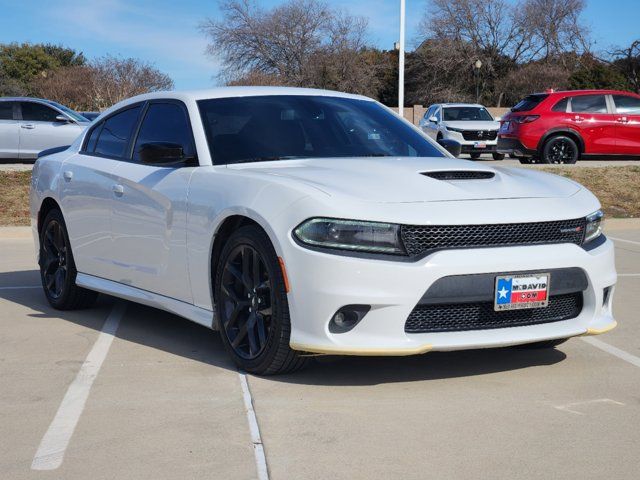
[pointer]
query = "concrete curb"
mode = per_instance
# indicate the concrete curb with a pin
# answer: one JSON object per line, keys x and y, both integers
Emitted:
{"x": 15, "y": 233}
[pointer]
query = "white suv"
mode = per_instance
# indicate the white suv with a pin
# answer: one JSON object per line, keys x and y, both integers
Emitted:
{"x": 469, "y": 124}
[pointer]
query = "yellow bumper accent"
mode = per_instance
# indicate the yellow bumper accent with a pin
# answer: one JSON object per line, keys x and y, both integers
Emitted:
{"x": 369, "y": 352}
{"x": 598, "y": 331}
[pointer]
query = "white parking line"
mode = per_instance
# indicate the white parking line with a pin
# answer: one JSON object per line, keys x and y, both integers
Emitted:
{"x": 258, "y": 448}
{"x": 55, "y": 441}
{"x": 616, "y": 239}
{"x": 615, "y": 351}
{"x": 21, "y": 287}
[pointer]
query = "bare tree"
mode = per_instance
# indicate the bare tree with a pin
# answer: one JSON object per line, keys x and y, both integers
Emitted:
{"x": 627, "y": 60}
{"x": 115, "y": 79}
{"x": 299, "y": 43}
{"x": 101, "y": 83}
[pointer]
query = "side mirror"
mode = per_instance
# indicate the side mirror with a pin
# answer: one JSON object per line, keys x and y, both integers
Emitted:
{"x": 162, "y": 153}
{"x": 433, "y": 119}
{"x": 451, "y": 146}
{"x": 63, "y": 119}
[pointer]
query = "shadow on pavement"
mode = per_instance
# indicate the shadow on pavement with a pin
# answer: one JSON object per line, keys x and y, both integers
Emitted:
{"x": 161, "y": 330}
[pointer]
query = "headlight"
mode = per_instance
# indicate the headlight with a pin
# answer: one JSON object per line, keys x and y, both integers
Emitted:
{"x": 451, "y": 129}
{"x": 593, "y": 229}
{"x": 355, "y": 235}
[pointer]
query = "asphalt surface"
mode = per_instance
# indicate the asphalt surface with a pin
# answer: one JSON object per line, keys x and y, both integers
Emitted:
{"x": 161, "y": 399}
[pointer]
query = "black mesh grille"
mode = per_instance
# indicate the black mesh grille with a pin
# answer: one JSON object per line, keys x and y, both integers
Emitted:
{"x": 479, "y": 134}
{"x": 481, "y": 316}
{"x": 460, "y": 175}
{"x": 420, "y": 239}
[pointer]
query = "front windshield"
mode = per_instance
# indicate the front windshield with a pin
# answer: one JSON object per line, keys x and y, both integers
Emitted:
{"x": 281, "y": 127}
{"x": 72, "y": 113}
{"x": 464, "y": 114}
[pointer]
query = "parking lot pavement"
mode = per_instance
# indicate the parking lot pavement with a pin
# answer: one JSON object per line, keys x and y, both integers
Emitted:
{"x": 167, "y": 403}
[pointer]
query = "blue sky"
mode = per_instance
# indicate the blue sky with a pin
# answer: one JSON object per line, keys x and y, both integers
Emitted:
{"x": 165, "y": 33}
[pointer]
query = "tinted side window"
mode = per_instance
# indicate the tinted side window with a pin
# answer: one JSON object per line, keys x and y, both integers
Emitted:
{"x": 116, "y": 133}
{"x": 93, "y": 138}
{"x": 6, "y": 110}
{"x": 165, "y": 122}
{"x": 589, "y": 104}
{"x": 561, "y": 106}
{"x": 36, "y": 112}
{"x": 625, "y": 104}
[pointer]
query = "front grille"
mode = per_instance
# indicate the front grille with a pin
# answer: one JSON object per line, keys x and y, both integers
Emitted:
{"x": 421, "y": 239}
{"x": 457, "y": 317}
{"x": 479, "y": 134}
{"x": 460, "y": 175}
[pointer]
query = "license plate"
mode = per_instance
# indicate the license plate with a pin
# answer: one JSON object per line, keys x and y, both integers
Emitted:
{"x": 504, "y": 127}
{"x": 479, "y": 145}
{"x": 515, "y": 292}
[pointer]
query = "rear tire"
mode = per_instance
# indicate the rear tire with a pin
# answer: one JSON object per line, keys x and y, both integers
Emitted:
{"x": 542, "y": 345}
{"x": 498, "y": 156}
{"x": 252, "y": 307}
{"x": 474, "y": 156}
{"x": 560, "y": 149}
{"x": 58, "y": 269}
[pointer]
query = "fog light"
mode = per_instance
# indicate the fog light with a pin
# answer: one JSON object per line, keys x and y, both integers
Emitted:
{"x": 347, "y": 317}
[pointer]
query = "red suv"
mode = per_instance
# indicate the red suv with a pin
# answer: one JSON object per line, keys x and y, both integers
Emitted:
{"x": 560, "y": 127}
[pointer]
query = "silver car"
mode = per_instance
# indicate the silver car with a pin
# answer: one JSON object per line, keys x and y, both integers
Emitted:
{"x": 30, "y": 125}
{"x": 469, "y": 124}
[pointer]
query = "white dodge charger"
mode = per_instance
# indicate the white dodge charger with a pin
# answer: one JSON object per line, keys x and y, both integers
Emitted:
{"x": 305, "y": 221}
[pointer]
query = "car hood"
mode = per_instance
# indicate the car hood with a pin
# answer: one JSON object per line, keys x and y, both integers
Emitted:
{"x": 405, "y": 179}
{"x": 473, "y": 125}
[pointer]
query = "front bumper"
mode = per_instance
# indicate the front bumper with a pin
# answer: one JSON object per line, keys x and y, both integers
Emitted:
{"x": 471, "y": 146}
{"x": 322, "y": 283}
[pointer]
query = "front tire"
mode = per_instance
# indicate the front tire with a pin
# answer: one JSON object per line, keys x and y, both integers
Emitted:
{"x": 251, "y": 305}
{"x": 57, "y": 267}
{"x": 474, "y": 156}
{"x": 560, "y": 149}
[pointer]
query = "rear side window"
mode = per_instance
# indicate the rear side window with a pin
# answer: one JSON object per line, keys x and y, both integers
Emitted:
{"x": 529, "y": 103}
{"x": 626, "y": 104}
{"x": 165, "y": 122}
{"x": 589, "y": 104}
{"x": 561, "y": 106}
{"x": 6, "y": 110}
{"x": 36, "y": 112}
{"x": 116, "y": 132}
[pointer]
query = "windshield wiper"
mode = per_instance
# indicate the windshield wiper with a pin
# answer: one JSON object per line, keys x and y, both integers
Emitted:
{"x": 377, "y": 155}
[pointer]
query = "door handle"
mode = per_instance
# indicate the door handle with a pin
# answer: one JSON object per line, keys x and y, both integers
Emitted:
{"x": 623, "y": 120}
{"x": 28, "y": 126}
{"x": 578, "y": 118}
{"x": 118, "y": 190}
{"x": 68, "y": 175}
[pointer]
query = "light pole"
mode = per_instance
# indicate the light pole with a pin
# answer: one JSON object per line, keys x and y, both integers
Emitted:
{"x": 476, "y": 69}
{"x": 401, "y": 62}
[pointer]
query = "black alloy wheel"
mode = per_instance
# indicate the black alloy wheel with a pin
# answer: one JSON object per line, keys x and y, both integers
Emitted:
{"x": 251, "y": 304}
{"x": 57, "y": 267}
{"x": 560, "y": 149}
{"x": 54, "y": 261}
{"x": 246, "y": 302}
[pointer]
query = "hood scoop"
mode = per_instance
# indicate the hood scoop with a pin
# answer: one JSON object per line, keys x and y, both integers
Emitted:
{"x": 460, "y": 175}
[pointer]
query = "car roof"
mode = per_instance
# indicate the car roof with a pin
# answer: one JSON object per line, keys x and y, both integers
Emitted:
{"x": 25, "y": 99}
{"x": 586, "y": 91}
{"x": 458, "y": 105}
